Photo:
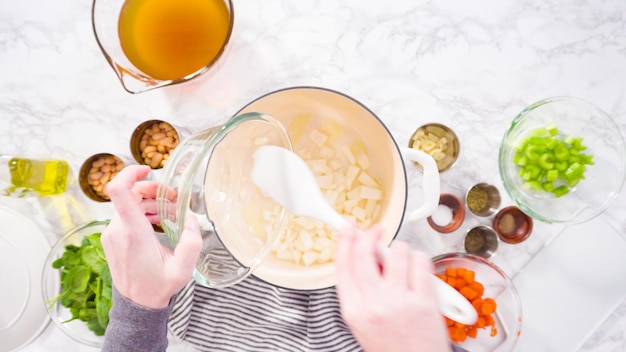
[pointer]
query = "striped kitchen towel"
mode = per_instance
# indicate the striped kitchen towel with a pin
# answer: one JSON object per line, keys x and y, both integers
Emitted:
{"x": 257, "y": 316}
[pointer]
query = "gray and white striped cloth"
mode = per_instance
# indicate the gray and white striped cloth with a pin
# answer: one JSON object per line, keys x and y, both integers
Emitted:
{"x": 256, "y": 316}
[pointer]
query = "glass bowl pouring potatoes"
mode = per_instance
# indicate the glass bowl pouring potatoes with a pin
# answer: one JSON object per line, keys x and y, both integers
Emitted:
{"x": 247, "y": 233}
{"x": 563, "y": 160}
{"x": 494, "y": 296}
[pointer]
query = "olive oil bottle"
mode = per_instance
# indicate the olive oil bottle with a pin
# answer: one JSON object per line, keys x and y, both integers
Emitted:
{"x": 21, "y": 177}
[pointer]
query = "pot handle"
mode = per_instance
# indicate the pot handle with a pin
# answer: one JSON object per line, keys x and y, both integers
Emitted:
{"x": 430, "y": 182}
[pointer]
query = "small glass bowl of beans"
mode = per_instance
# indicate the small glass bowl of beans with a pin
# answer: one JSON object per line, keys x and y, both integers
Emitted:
{"x": 152, "y": 143}
{"x": 96, "y": 172}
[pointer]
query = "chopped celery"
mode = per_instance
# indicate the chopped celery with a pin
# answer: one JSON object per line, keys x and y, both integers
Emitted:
{"x": 560, "y": 191}
{"x": 552, "y": 175}
{"x": 551, "y": 162}
{"x": 548, "y": 186}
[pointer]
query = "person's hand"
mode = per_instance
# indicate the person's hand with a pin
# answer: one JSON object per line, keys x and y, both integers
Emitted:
{"x": 390, "y": 306}
{"x": 143, "y": 270}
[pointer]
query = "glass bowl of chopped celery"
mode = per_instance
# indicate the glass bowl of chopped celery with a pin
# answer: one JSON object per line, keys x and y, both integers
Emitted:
{"x": 563, "y": 160}
{"x": 492, "y": 293}
{"x": 76, "y": 284}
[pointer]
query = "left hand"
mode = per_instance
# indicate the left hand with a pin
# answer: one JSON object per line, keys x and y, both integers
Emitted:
{"x": 143, "y": 270}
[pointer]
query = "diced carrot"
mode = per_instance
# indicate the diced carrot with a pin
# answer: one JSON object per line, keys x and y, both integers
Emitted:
{"x": 480, "y": 323}
{"x": 451, "y": 281}
{"x": 449, "y": 321}
{"x": 451, "y": 272}
{"x": 478, "y": 287}
{"x": 472, "y": 332}
{"x": 468, "y": 293}
{"x": 494, "y": 331}
{"x": 454, "y": 333}
{"x": 487, "y": 308}
{"x": 460, "y": 272}
{"x": 477, "y": 303}
{"x": 459, "y": 283}
{"x": 492, "y": 302}
{"x": 461, "y": 335}
{"x": 469, "y": 276}
{"x": 489, "y": 320}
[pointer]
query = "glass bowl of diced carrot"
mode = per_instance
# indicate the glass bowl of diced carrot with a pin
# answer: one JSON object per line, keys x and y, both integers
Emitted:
{"x": 563, "y": 160}
{"x": 493, "y": 295}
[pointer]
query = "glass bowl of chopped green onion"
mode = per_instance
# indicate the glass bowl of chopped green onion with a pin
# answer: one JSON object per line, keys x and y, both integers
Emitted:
{"x": 563, "y": 160}
{"x": 76, "y": 284}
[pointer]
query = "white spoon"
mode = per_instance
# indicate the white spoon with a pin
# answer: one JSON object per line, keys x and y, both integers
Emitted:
{"x": 285, "y": 177}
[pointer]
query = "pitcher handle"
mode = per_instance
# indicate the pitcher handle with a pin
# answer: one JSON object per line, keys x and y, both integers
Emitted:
{"x": 430, "y": 182}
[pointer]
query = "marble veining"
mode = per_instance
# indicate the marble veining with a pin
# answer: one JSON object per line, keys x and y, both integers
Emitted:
{"x": 472, "y": 65}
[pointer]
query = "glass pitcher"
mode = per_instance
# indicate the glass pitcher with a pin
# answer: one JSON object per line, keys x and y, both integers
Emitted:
{"x": 156, "y": 43}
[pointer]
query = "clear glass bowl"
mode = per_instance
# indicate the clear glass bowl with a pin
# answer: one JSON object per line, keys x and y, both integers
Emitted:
{"x": 210, "y": 172}
{"x": 76, "y": 329}
{"x": 498, "y": 286}
{"x": 603, "y": 180}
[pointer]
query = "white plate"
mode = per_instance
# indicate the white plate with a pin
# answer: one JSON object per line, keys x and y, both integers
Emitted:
{"x": 23, "y": 250}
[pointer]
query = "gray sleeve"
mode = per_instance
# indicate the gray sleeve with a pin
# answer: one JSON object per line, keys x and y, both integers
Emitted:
{"x": 134, "y": 328}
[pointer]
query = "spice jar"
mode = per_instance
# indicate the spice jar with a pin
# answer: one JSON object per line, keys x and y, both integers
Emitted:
{"x": 512, "y": 225}
{"x": 482, "y": 199}
{"x": 449, "y": 215}
{"x": 481, "y": 240}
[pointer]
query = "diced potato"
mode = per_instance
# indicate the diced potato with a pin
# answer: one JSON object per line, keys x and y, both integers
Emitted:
{"x": 351, "y": 175}
{"x": 297, "y": 126}
{"x": 318, "y": 165}
{"x": 307, "y": 240}
{"x": 355, "y": 194}
{"x": 335, "y": 164}
{"x": 309, "y": 257}
{"x": 367, "y": 180}
{"x": 371, "y": 193}
{"x": 363, "y": 161}
{"x": 296, "y": 256}
{"x": 325, "y": 255}
{"x": 326, "y": 152}
{"x": 348, "y": 153}
{"x": 318, "y": 137}
{"x": 325, "y": 181}
{"x": 370, "y": 205}
{"x": 359, "y": 213}
{"x": 306, "y": 222}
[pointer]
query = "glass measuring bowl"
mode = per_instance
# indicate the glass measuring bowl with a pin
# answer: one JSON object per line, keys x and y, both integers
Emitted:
{"x": 156, "y": 43}
{"x": 210, "y": 173}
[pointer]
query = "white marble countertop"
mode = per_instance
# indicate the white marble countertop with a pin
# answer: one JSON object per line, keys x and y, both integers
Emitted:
{"x": 472, "y": 65}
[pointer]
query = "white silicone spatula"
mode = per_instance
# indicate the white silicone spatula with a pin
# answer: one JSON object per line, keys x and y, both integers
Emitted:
{"x": 285, "y": 177}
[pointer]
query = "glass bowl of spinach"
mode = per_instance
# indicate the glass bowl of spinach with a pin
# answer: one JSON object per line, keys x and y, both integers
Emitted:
{"x": 76, "y": 284}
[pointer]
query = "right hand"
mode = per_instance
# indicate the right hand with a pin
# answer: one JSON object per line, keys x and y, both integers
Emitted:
{"x": 388, "y": 307}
